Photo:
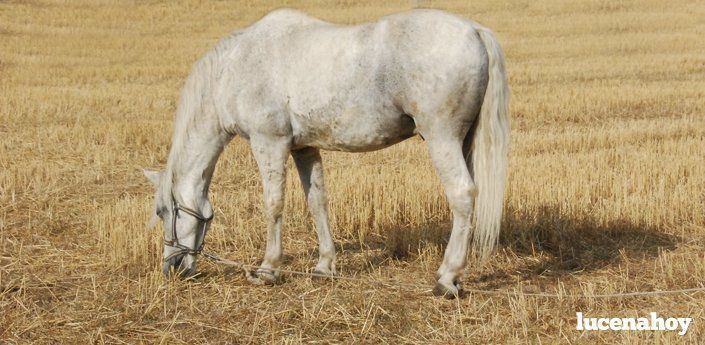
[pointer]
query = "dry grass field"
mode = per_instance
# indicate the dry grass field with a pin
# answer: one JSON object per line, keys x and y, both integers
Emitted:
{"x": 605, "y": 193}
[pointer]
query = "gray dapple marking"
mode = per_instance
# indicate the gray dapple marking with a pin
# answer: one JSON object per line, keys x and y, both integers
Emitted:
{"x": 292, "y": 85}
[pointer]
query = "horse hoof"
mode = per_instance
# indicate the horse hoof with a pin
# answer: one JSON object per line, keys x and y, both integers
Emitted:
{"x": 319, "y": 273}
{"x": 265, "y": 277}
{"x": 448, "y": 292}
{"x": 255, "y": 281}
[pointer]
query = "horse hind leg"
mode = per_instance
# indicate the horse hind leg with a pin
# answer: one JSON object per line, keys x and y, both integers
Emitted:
{"x": 448, "y": 159}
{"x": 310, "y": 167}
{"x": 271, "y": 156}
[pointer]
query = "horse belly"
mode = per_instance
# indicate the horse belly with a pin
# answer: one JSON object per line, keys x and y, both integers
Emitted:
{"x": 351, "y": 132}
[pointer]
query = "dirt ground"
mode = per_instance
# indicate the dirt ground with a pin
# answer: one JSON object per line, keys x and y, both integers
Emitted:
{"x": 605, "y": 193}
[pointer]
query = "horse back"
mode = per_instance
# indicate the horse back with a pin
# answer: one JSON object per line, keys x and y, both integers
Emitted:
{"x": 351, "y": 88}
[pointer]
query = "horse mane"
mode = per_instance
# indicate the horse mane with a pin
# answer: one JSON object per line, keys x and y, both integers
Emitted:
{"x": 193, "y": 104}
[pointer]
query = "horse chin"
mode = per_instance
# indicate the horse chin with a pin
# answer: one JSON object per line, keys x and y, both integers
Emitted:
{"x": 183, "y": 266}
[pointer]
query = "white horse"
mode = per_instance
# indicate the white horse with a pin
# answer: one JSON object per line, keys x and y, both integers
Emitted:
{"x": 292, "y": 84}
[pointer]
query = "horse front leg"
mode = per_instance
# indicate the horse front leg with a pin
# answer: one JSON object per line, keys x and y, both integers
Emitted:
{"x": 271, "y": 156}
{"x": 310, "y": 166}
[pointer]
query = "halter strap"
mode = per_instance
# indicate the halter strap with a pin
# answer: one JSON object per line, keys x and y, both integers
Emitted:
{"x": 192, "y": 213}
{"x": 174, "y": 241}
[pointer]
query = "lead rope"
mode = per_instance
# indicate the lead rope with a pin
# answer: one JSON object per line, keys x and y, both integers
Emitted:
{"x": 247, "y": 269}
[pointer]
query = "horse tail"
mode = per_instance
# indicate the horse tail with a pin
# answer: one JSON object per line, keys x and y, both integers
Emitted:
{"x": 487, "y": 154}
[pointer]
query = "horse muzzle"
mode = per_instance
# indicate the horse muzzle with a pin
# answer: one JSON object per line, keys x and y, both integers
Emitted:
{"x": 184, "y": 266}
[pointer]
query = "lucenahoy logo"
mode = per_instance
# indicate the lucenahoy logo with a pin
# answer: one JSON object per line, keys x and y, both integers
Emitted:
{"x": 651, "y": 323}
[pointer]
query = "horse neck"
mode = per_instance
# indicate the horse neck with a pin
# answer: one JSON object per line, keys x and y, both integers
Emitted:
{"x": 197, "y": 143}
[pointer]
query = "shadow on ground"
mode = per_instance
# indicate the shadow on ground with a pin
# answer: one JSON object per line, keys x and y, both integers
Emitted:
{"x": 557, "y": 244}
{"x": 581, "y": 243}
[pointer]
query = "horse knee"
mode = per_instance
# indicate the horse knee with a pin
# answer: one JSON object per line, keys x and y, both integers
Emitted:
{"x": 274, "y": 205}
{"x": 316, "y": 197}
{"x": 461, "y": 198}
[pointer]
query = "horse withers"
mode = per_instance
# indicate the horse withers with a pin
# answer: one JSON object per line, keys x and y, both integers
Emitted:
{"x": 291, "y": 84}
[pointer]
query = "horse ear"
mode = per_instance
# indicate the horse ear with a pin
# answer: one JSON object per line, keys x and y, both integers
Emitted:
{"x": 153, "y": 220}
{"x": 153, "y": 176}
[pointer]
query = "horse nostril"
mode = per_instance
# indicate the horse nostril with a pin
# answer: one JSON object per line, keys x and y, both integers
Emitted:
{"x": 177, "y": 261}
{"x": 172, "y": 266}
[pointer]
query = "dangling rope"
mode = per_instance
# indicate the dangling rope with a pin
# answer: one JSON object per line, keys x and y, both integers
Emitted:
{"x": 248, "y": 268}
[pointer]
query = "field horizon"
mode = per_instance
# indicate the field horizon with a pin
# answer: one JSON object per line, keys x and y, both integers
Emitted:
{"x": 605, "y": 190}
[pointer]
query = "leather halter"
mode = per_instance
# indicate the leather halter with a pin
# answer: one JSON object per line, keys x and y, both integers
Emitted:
{"x": 174, "y": 241}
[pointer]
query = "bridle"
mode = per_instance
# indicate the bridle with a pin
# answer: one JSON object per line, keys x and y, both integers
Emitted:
{"x": 174, "y": 241}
